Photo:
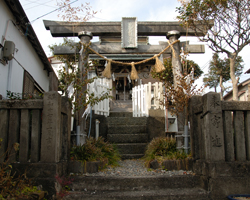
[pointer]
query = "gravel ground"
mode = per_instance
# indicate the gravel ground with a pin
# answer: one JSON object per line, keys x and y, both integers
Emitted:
{"x": 136, "y": 168}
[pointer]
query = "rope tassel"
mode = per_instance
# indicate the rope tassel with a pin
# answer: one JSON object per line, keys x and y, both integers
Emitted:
{"x": 134, "y": 74}
{"x": 159, "y": 67}
{"x": 107, "y": 71}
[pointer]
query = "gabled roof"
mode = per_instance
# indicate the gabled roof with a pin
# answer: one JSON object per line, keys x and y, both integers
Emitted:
{"x": 242, "y": 84}
{"x": 248, "y": 71}
{"x": 22, "y": 21}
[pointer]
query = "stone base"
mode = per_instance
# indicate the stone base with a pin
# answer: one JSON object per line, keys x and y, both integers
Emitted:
{"x": 184, "y": 164}
{"x": 224, "y": 178}
{"x": 42, "y": 174}
{"x": 86, "y": 167}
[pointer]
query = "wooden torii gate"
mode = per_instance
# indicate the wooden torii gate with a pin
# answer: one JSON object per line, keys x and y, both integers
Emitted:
{"x": 128, "y": 30}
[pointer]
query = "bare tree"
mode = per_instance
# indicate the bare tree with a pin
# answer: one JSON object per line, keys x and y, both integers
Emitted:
{"x": 231, "y": 31}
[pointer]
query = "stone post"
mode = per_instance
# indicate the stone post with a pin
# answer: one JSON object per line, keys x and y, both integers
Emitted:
{"x": 51, "y": 121}
{"x": 176, "y": 63}
{"x": 196, "y": 144}
{"x": 85, "y": 38}
{"x": 248, "y": 93}
{"x": 213, "y": 127}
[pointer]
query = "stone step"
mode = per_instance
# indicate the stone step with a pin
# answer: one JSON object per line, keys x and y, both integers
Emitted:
{"x": 130, "y": 183}
{"x": 131, "y": 156}
{"x": 127, "y": 138}
{"x": 163, "y": 194}
{"x": 132, "y": 148}
{"x": 127, "y": 120}
{"x": 127, "y": 129}
{"x": 120, "y": 114}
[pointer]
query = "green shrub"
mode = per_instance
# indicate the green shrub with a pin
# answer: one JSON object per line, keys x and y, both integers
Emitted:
{"x": 94, "y": 150}
{"x": 163, "y": 148}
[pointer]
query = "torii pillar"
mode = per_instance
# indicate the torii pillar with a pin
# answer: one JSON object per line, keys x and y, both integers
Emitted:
{"x": 176, "y": 62}
{"x": 85, "y": 38}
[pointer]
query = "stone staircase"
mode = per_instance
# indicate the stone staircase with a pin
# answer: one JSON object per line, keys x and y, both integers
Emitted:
{"x": 134, "y": 188}
{"x": 128, "y": 133}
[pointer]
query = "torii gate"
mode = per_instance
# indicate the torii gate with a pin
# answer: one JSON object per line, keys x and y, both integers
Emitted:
{"x": 128, "y": 30}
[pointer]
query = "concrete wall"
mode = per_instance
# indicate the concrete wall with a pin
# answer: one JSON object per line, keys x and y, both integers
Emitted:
{"x": 11, "y": 75}
{"x": 156, "y": 124}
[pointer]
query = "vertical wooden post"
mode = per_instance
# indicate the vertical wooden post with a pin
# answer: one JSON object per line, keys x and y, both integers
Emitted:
{"x": 24, "y": 136}
{"x": 239, "y": 136}
{"x": 247, "y": 134}
{"x": 228, "y": 134}
{"x": 4, "y": 120}
{"x": 14, "y": 131}
{"x": 35, "y": 136}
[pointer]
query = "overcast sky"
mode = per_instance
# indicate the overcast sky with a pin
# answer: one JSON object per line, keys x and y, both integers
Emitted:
{"x": 114, "y": 10}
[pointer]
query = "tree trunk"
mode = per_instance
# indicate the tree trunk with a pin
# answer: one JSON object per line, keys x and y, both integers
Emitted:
{"x": 232, "y": 58}
{"x": 222, "y": 88}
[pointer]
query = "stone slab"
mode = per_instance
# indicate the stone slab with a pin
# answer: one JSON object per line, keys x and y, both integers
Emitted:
{"x": 163, "y": 194}
{"x": 117, "y": 49}
{"x": 51, "y": 141}
{"x": 213, "y": 127}
{"x": 21, "y": 104}
{"x": 67, "y": 29}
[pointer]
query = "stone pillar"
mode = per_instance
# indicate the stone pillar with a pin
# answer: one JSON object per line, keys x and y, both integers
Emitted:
{"x": 213, "y": 127}
{"x": 196, "y": 142}
{"x": 53, "y": 82}
{"x": 248, "y": 93}
{"x": 85, "y": 38}
{"x": 51, "y": 121}
{"x": 176, "y": 62}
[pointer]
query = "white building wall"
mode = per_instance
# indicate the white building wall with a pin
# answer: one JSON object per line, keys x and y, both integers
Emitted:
{"x": 25, "y": 55}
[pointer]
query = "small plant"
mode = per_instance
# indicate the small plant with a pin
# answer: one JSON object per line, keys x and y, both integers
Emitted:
{"x": 13, "y": 95}
{"x": 11, "y": 186}
{"x": 94, "y": 150}
{"x": 163, "y": 148}
{"x": 64, "y": 183}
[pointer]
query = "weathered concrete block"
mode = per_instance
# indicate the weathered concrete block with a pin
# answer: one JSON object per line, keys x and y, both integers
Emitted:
{"x": 154, "y": 164}
{"x": 169, "y": 165}
{"x": 86, "y": 167}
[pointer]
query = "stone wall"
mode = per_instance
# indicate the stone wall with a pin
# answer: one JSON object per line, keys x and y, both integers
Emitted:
{"x": 43, "y": 127}
{"x": 156, "y": 124}
{"x": 220, "y": 144}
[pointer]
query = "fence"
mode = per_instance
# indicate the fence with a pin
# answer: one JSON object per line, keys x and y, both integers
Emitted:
{"x": 99, "y": 87}
{"x": 41, "y": 127}
{"x": 146, "y": 96}
{"x": 220, "y": 130}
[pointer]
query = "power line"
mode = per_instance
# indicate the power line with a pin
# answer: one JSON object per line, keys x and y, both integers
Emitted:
{"x": 52, "y": 11}
{"x": 39, "y": 4}
{"x": 35, "y": 2}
